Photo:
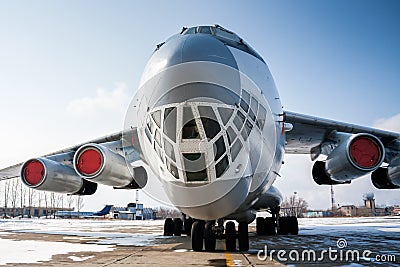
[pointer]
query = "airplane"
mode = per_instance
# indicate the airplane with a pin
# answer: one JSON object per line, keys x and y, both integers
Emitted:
{"x": 208, "y": 122}
{"x": 84, "y": 214}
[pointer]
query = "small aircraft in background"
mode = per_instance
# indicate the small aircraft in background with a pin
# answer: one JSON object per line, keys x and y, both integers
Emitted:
{"x": 84, "y": 214}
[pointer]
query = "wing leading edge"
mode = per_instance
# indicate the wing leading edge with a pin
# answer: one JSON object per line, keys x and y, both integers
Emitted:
{"x": 310, "y": 132}
{"x": 14, "y": 171}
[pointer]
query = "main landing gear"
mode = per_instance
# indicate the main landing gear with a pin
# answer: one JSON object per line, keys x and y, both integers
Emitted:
{"x": 204, "y": 234}
{"x": 277, "y": 224}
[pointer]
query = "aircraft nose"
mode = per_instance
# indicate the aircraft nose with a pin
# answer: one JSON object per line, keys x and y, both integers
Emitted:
{"x": 204, "y": 47}
{"x": 191, "y": 66}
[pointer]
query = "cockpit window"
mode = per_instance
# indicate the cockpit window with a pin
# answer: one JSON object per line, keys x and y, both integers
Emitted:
{"x": 189, "y": 130}
{"x": 220, "y": 32}
{"x": 195, "y": 167}
{"x": 204, "y": 29}
{"x": 225, "y": 36}
{"x": 190, "y": 31}
{"x": 210, "y": 122}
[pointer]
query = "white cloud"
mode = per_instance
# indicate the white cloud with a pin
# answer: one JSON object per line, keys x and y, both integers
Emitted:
{"x": 115, "y": 100}
{"x": 389, "y": 124}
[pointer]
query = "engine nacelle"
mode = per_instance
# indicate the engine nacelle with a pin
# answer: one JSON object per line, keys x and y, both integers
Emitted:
{"x": 356, "y": 156}
{"x": 387, "y": 178}
{"x": 48, "y": 175}
{"x": 321, "y": 177}
{"x": 97, "y": 163}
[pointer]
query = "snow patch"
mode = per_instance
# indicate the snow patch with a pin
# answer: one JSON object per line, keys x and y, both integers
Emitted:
{"x": 29, "y": 251}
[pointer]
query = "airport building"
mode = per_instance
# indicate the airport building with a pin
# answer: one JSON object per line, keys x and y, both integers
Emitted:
{"x": 369, "y": 208}
{"x": 134, "y": 211}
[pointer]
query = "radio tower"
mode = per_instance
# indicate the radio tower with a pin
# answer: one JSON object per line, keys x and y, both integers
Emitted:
{"x": 332, "y": 199}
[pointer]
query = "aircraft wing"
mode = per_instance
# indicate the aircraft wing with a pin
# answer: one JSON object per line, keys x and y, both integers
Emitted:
{"x": 351, "y": 151}
{"x": 310, "y": 132}
{"x": 14, "y": 171}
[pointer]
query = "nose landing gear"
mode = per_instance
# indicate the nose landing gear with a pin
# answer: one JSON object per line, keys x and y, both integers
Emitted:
{"x": 209, "y": 232}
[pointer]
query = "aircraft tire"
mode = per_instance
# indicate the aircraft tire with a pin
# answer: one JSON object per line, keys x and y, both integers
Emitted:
{"x": 177, "y": 227}
{"x": 230, "y": 236}
{"x": 293, "y": 225}
{"x": 260, "y": 226}
{"x": 188, "y": 226}
{"x": 243, "y": 236}
{"x": 197, "y": 235}
{"x": 209, "y": 238}
{"x": 168, "y": 227}
{"x": 270, "y": 226}
{"x": 283, "y": 226}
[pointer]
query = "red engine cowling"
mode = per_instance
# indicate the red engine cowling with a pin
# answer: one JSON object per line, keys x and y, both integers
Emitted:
{"x": 48, "y": 175}
{"x": 356, "y": 156}
{"x": 97, "y": 163}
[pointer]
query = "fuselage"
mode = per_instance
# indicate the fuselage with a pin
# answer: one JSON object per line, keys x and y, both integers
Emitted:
{"x": 209, "y": 120}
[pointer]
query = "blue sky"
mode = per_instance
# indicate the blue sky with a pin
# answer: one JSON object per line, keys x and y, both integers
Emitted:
{"x": 69, "y": 68}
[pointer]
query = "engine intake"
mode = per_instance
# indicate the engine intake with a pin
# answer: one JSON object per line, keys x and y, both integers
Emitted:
{"x": 48, "y": 175}
{"x": 97, "y": 163}
{"x": 356, "y": 156}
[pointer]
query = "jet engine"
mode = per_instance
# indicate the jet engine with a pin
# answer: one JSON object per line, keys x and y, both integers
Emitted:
{"x": 321, "y": 177}
{"x": 387, "y": 178}
{"x": 48, "y": 175}
{"x": 97, "y": 163}
{"x": 355, "y": 156}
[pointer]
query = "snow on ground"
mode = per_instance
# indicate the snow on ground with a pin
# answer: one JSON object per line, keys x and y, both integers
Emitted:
{"x": 102, "y": 236}
{"x": 100, "y": 231}
{"x": 29, "y": 251}
{"x": 380, "y": 235}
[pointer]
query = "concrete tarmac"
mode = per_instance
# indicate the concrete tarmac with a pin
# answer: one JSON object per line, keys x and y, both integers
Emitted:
{"x": 176, "y": 253}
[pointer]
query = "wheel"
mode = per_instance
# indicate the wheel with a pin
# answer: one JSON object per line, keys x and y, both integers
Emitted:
{"x": 243, "y": 236}
{"x": 270, "y": 226}
{"x": 168, "y": 227}
{"x": 177, "y": 227}
{"x": 209, "y": 238}
{"x": 197, "y": 235}
{"x": 260, "y": 226}
{"x": 188, "y": 226}
{"x": 283, "y": 226}
{"x": 293, "y": 225}
{"x": 230, "y": 236}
